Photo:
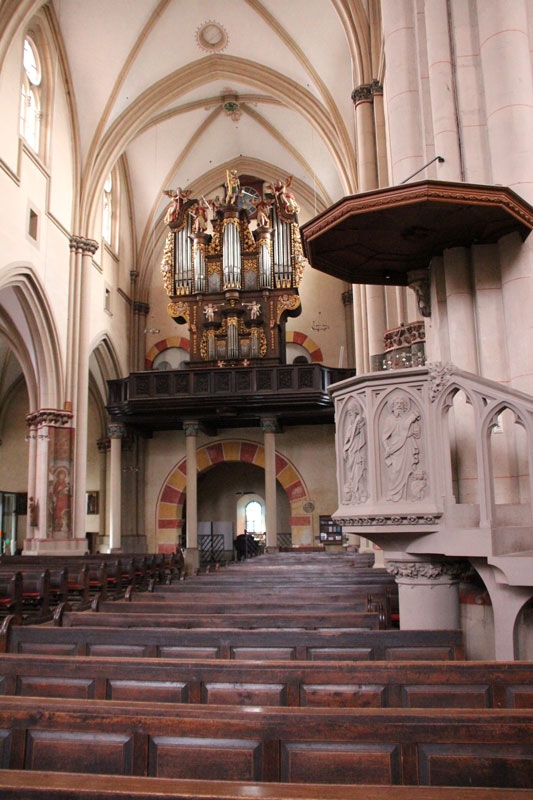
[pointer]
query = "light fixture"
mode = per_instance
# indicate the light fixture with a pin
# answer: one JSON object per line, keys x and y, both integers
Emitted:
{"x": 318, "y": 325}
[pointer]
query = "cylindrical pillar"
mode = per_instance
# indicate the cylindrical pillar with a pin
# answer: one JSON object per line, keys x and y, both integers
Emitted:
{"x": 88, "y": 248}
{"x": 441, "y": 71}
{"x": 404, "y": 112}
{"x": 461, "y": 319}
{"x": 116, "y": 433}
{"x": 270, "y": 426}
{"x": 428, "y": 594}
{"x": 192, "y": 556}
{"x": 103, "y": 448}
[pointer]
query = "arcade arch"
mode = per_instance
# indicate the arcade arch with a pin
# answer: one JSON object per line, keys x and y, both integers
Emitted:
{"x": 251, "y": 456}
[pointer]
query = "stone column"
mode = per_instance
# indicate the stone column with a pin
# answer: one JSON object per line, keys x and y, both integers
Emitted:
{"x": 192, "y": 555}
{"x": 460, "y": 304}
{"x": 269, "y": 426}
{"x": 88, "y": 249}
{"x": 104, "y": 446}
{"x": 140, "y": 314}
{"x": 367, "y": 175}
{"x": 116, "y": 434}
{"x": 404, "y": 112}
{"x": 32, "y": 520}
{"x": 428, "y": 593}
{"x": 347, "y": 302}
{"x": 442, "y": 89}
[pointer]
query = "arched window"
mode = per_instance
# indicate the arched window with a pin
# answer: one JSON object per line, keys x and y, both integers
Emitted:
{"x": 107, "y": 211}
{"x": 171, "y": 358}
{"x": 31, "y": 95}
{"x": 253, "y": 516}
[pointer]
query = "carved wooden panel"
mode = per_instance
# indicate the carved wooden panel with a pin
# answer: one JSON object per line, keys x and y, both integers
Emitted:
{"x": 103, "y": 753}
{"x": 46, "y": 648}
{"x": 343, "y": 696}
{"x": 82, "y": 688}
{"x": 463, "y": 764}
{"x": 426, "y": 653}
{"x": 188, "y": 652}
{"x": 240, "y": 694}
{"x": 263, "y": 653}
{"x": 336, "y": 762}
{"x": 340, "y": 653}
{"x": 207, "y": 759}
{"x": 154, "y": 691}
{"x": 519, "y": 697}
{"x": 124, "y": 650}
{"x": 440, "y": 696}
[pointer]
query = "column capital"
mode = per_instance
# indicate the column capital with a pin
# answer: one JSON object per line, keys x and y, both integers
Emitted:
{"x": 83, "y": 245}
{"x": 48, "y": 416}
{"x": 191, "y": 427}
{"x": 116, "y": 430}
{"x": 362, "y": 94}
{"x": 103, "y": 445}
{"x": 376, "y": 87}
{"x": 427, "y": 570}
{"x": 270, "y": 425}
{"x": 141, "y": 308}
{"x": 347, "y": 298}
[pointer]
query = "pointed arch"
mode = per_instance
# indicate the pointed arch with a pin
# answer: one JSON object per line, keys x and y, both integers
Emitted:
{"x": 169, "y": 506}
{"x": 27, "y": 322}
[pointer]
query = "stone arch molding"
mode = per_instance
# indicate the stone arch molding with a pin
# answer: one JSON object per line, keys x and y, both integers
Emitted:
{"x": 30, "y": 330}
{"x": 169, "y": 509}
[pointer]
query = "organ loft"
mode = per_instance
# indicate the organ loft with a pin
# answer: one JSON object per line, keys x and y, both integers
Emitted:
{"x": 231, "y": 268}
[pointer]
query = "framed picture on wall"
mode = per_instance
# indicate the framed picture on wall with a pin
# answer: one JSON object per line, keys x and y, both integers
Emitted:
{"x": 92, "y": 503}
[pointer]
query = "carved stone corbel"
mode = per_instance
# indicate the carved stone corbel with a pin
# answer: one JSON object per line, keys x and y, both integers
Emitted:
{"x": 418, "y": 281}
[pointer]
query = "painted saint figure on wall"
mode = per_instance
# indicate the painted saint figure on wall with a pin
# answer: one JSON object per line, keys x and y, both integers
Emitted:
{"x": 355, "y": 456}
{"x": 400, "y": 438}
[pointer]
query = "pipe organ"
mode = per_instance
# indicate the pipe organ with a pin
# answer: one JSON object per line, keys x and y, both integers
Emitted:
{"x": 234, "y": 285}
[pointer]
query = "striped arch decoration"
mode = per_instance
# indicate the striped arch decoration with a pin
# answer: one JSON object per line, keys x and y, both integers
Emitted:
{"x": 169, "y": 511}
{"x": 306, "y": 342}
{"x": 164, "y": 344}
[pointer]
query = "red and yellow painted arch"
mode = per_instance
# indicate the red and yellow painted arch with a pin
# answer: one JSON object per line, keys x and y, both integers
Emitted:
{"x": 307, "y": 343}
{"x": 169, "y": 511}
{"x": 164, "y": 344}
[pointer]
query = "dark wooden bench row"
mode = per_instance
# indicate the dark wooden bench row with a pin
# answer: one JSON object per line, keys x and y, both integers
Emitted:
{"x": 37, "y": 785}
{"x": 290, "y": 644}
{"x": 338, "y": 684}
{"x": 385, "y": 746}
{"x": 29, "y": 593}
{"x": 130, "y": 616}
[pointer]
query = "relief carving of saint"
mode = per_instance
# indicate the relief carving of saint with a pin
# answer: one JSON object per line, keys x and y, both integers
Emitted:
{"x": 401, "y": 442}
{"x": 354, "y": 453}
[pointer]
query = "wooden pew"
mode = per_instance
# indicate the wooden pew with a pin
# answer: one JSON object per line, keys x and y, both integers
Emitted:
{"x": 293, "y": 684}
{"x": 36, "y": 591}
{"x": 11, "y": 593}
{"x": 38, "y": 785}
{"x": 26, "y": 785}
{"x": 388, "y": 746}
{"x": 260, "y": 644}
{"x": 139, "y": 615}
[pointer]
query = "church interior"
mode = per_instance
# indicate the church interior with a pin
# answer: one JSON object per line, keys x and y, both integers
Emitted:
{"x": 264, "y": 280}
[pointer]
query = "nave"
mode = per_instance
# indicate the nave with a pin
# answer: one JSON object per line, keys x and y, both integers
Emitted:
{"x": 283, "y": 676}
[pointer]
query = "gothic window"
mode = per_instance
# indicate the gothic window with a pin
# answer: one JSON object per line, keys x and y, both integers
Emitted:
{"x": 31, "y": 95}
{"x": 253, "y": 516}
{"x": 107, "y": 211}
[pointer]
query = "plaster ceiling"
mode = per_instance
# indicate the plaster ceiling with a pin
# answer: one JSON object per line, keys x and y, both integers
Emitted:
{"x": 146, "y": 86}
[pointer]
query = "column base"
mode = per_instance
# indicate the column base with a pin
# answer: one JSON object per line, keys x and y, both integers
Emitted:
{"x": 192, "y": 560}
{"x": 55, "y": 547}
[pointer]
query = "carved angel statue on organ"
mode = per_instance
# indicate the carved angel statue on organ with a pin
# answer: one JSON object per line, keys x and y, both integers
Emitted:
{"x": 284, "y": 198}
{"x": 262, "y": 207}
{"x": 199, "y": 212}
{"x": 178, "y": 196}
